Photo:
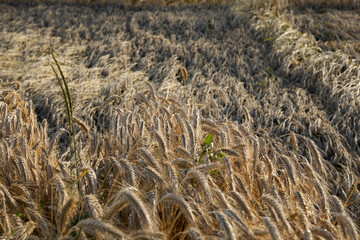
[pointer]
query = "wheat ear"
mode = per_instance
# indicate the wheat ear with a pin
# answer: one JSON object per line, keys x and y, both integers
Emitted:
{"x": 144, "y": 153}
{"x": 305, "y": 223}
{"x": 273, "y": 230}
{"x": 181, "y": 203}
{"x": 294, "y": 141}
{"x": 130, "y": 171}
{"x": 61, "y": 190}
{"x": 323, "y": 197}
{"x": 126, "y": 197}
{"x": 339, "y": 206}
{"x": 201, "y": 180}
{"x": 241, "y": 225}
{"x": 225, "y": 225}
{"x": 349, "y": 224}
{"x": 161, "y": 142}
{"x": 271, "y": 201}
{"x": 4, "y": 222}
{"x": 316, "y": 156}
{"x": 40, "y": 220}
{"x": 192, "y": 138}
{"x": 289, "y": 166}
{"x": 82, "y": 124}
{"x": 155, "y": 175}
{"x": 109, "y": 100}
{"x": 220, "y": 195}
{"x": 318, "y": 231}
{"x": 194, "y": 234}
{"x": 22, "y": 163}
{"x": 8, "y": 196}
{"x": 65, "y": 214}
{"x": 93, "y": 206}
{"x": 242, "y": 202}
{"x": 56, "y": 138}
{"x": 300, "y": 199}
{"x": 89, "y": 225}
{"x": 25, "y": 231}
{"x": 230, "y": 171}
{"x": 91, "y": 180}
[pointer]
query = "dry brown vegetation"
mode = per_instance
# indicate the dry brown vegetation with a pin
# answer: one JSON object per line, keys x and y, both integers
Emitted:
{"x": 276, "y": 88}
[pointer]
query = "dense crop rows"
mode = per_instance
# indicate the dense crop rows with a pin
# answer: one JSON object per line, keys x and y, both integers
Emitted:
{"x": 191, "y": 122}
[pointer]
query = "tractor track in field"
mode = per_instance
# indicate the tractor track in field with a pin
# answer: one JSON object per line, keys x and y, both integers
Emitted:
{"x": 291, "y": 83}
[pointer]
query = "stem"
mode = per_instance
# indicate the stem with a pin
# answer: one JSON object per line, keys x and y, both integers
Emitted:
{"x": 69, "y": 109}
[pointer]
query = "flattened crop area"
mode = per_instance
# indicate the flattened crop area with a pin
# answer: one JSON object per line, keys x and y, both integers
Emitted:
{"x": 279, "y": 94}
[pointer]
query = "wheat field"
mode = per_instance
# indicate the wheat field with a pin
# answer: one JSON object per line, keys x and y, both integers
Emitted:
{"x": 179, "y": 120}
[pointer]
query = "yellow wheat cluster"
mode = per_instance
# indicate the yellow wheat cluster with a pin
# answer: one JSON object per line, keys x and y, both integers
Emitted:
{"x": 140, "y": 179}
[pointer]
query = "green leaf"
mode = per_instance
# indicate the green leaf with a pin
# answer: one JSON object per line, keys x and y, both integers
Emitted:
{"x": 270, "y": 38}
{"x": 208, "y": 139}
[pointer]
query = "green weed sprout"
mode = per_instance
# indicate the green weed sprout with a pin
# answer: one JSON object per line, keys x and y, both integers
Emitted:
{"x": 208, "y": 150}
